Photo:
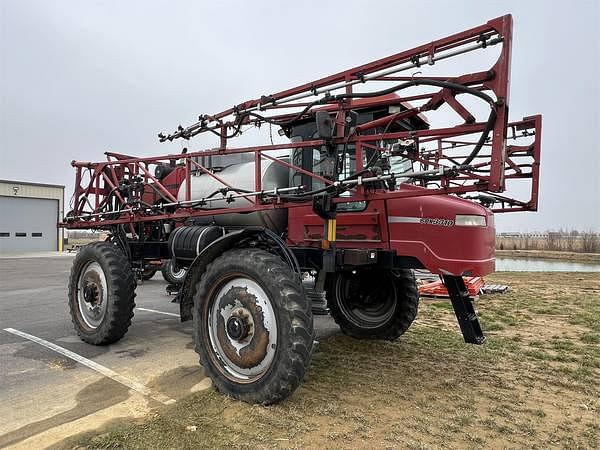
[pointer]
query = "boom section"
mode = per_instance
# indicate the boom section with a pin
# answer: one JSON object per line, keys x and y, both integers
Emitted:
{"x": 412, "y": 117}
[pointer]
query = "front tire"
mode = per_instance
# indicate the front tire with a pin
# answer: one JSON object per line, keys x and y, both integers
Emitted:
{"x": 253, "y": 327}
{"x": 373, "y": 304}
{"x": 101, "y": 293}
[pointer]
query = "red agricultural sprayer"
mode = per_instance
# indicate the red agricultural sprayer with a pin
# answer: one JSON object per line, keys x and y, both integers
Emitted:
{"x": 365, "y": 189}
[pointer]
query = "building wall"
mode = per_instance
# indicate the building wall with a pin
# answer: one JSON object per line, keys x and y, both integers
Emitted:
{"x": 9, "y": 188}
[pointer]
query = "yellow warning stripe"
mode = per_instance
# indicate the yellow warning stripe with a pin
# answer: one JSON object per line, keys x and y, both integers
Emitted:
{"x": 331, "y": 225}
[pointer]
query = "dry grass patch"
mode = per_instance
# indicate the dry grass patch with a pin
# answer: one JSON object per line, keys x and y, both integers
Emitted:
{"x": 534, "y": 384}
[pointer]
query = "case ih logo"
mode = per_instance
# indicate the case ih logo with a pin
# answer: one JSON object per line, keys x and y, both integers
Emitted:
{"x": 438, "y": 222}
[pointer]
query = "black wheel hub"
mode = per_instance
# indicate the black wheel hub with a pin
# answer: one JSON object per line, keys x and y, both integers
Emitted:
{"x": 90, "y": 293}
{"x": 237, "y": 328}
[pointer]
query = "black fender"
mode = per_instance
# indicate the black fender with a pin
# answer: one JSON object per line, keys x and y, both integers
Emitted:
{"x": 230, "y": 240}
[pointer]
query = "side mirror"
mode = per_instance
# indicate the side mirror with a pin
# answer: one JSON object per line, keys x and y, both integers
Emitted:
{"x": 325, "y": 125}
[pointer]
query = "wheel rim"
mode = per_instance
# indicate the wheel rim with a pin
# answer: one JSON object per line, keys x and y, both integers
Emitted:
{"x": 366, "y": 300}
{"x": 242, "y": 330}
{"x": 92, "y": 293}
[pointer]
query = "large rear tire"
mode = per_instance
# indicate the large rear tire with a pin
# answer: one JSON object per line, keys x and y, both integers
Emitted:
{"x": 101, "y": 293}
{"x": 253, "y": 327}
{"x": 171, "y": 275}
{"x": 373, "y": 304}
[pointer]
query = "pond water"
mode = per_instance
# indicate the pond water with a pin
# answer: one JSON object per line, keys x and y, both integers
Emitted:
{"x": 543, "y": 265}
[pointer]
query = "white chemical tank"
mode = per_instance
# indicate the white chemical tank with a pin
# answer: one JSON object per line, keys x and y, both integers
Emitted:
{"x": 241, "y": 176}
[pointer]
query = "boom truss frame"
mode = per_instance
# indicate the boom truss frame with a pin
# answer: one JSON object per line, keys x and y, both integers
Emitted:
{"x": 493, "y": 150}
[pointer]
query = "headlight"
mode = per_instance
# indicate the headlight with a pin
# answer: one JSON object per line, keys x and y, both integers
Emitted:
{"x": 464, "y": 220}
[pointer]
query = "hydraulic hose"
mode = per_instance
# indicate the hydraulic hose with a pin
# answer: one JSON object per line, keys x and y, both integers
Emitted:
{"x": 456, "y": 87}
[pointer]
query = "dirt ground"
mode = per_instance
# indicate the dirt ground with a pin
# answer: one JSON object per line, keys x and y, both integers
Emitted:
{"x": 534, "y": 384}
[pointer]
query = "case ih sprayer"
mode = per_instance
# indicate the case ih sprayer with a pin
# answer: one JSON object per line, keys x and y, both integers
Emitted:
{"x": 334, "y": 220}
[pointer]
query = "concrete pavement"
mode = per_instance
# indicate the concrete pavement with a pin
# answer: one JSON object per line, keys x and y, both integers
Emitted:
{"x": 46, "y": 396}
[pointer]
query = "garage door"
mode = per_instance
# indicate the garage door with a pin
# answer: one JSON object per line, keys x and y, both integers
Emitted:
{"x": 27, "y": 224}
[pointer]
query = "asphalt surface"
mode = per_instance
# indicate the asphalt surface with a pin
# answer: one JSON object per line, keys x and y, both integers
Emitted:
{"x": 46, "y": 396}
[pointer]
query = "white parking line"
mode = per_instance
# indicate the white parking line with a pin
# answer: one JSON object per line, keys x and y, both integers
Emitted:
{"x": 131, "y": 384}
{"x": 158, "y": 312}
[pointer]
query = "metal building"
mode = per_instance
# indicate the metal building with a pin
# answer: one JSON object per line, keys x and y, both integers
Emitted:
{"x": 29, "y": 214}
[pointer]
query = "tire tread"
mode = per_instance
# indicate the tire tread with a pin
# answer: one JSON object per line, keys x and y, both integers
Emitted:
{"x": 293, "y": 312}
{"x": 121, "y": 286}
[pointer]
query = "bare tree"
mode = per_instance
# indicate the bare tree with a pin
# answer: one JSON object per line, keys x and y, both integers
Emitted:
{"x": 590, "y": 242}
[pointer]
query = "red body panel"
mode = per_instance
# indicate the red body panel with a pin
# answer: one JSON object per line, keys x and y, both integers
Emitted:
{"x": 442, "y": 246}
{"x": 364, "y": 229}
{"x": 423, "y": 227}
{"x": 172, "y": 182}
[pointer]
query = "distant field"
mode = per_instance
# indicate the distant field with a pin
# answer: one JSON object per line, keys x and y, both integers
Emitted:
{"x": 581, "y": 243}
{"x": 534, "y": 384}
